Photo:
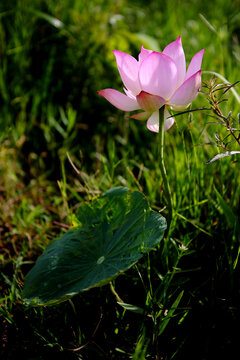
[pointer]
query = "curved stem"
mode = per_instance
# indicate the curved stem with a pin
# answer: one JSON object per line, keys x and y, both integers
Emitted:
{"x": 115, "y": 293}
{"x": 166, "y": 186}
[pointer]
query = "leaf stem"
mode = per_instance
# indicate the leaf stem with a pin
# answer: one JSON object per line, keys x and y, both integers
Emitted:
{"x": 163, "y": 169}
{"x": 115, "y": 293}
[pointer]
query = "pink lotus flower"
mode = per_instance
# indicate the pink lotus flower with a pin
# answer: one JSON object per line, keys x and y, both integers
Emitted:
{"x": 156, "y": 79}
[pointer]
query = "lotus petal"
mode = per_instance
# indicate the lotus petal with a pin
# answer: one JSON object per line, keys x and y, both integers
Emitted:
{"x": 195, "y": 64}
{"x": 141, "y": 116}
{"x": 179, "y": 107}
{"x": 149, "y": 102}
{"x": 153, "y": 121}
{"x": 128, "y": 69}
{"x": 119, "y": 100}
{"x": 143, "y": 54}
{"x": 175, "y": 51}
{"x": 188, "y": 91}
{"x": 158, "y": 75}
{"x": 168, "y": 120}
{"x": 129, "y": 94}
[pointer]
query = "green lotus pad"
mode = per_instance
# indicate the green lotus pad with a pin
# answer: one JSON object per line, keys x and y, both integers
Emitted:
{"x": 112, "y": 233}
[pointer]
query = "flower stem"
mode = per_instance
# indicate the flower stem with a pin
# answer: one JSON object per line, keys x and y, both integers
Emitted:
{"x": 166, "y": 186}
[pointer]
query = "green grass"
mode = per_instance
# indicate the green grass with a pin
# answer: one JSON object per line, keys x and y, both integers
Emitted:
{"x": 49, "y": 74}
